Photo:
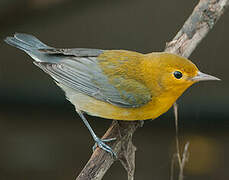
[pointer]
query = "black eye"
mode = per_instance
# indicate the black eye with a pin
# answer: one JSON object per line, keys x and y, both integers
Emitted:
{"x": 177, "y": 74}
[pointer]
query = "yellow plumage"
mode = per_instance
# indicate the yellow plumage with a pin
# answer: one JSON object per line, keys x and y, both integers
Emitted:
{"x": 113, "y": 84}
{"x": 152, "y": 71}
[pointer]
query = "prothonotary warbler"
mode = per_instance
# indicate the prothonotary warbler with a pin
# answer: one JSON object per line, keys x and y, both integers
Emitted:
{"x": 113, "y": 84}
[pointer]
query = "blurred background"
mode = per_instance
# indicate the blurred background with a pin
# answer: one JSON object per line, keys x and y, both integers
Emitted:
{"x": 41, "y": 136}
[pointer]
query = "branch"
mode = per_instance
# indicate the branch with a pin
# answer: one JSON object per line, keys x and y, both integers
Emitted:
{"x": 101, "y": 161}
{"x": 203, "y": 18}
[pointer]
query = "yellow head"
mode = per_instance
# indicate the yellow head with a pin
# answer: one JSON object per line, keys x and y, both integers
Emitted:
{"x": 174, "y": 74}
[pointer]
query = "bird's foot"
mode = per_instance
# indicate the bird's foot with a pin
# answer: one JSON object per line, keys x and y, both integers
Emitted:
{"x": 101, "y": 143}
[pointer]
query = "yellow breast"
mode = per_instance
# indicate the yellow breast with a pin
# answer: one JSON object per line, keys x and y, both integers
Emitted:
{"x": 94, "y": 107}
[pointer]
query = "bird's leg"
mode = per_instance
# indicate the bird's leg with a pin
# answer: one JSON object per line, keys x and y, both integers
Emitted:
{"x": 98, "y": 142}
{"x": 141, "y": 123}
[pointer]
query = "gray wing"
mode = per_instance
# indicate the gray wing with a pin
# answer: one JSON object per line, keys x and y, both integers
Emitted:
{"x": 79, "y": 69}
{"x": 85, "y": 76}
{"x": 77, "y": 52}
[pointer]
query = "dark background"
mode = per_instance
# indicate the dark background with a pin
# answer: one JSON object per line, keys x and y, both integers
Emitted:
{"x": 41, "y": 136}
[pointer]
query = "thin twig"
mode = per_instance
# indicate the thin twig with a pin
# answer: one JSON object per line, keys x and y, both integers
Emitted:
{"x": 203, "y": 18}
{"x": 174, "y": 158}
{"x": 175, "y": 108}
{"x": 181, "y": 159}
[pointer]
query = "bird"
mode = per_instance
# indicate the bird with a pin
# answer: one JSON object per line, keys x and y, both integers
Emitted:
{"x": 113, "y": 84}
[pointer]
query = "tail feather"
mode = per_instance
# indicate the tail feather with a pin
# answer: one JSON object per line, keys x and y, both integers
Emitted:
{"x": 25, "y": 42}
{"x": 32, "y": 46}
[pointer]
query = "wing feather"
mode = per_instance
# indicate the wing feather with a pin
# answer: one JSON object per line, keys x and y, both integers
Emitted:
{"x": 85, "y": 76}
{"x": 79, "y": 69}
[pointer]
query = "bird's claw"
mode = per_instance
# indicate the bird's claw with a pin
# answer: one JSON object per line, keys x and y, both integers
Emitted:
{"x": 101, "y": 143}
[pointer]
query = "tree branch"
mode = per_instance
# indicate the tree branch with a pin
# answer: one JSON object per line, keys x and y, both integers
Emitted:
{"x": 202, "y": 19}
{"x": 101, "y": 161}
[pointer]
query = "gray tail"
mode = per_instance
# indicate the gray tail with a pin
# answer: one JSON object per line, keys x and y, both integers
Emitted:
{"x": 25, "y": 42}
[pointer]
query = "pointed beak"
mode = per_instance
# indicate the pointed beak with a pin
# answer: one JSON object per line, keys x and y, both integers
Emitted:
{"x": 204, "y": 77}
